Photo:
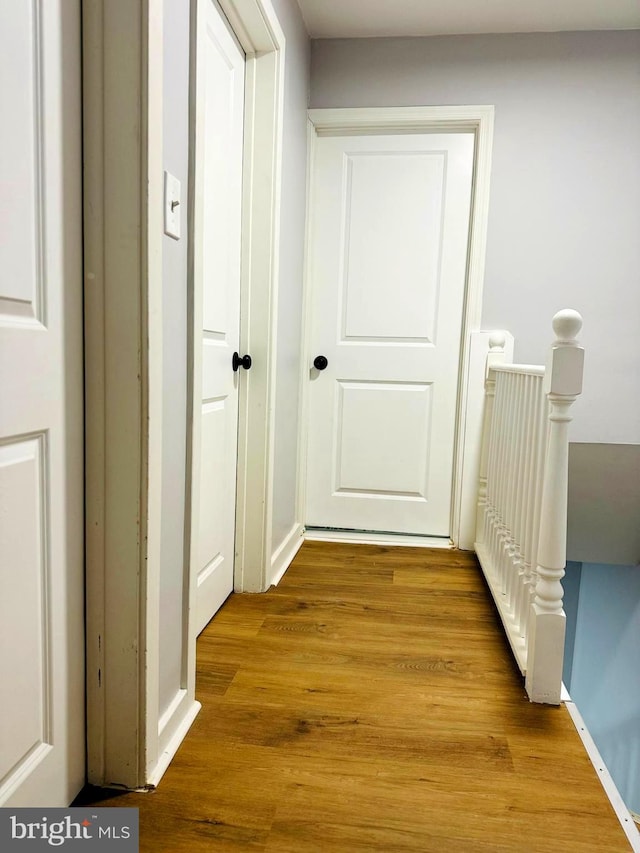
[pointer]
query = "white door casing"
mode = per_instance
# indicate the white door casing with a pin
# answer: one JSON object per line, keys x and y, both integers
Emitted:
{"x": 130, "y": 743}
{"x": 387, "y": 262}
{"x": 42, "y": 728}
{"x": 216, "y": 300}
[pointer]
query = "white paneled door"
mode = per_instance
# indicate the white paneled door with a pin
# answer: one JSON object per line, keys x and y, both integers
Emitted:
{"x": 42, "y": 727}
{"x": 219, "y": 132}
{"x": 388, "y": 254}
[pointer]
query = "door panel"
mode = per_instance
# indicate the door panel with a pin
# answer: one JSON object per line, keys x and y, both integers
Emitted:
{"x": 42, "y": 728}
{"x": 221, "y": 110}
{"x": 391, "y": 200}
{"x": 397, "y": 418}
{"x": 390, "y": 224}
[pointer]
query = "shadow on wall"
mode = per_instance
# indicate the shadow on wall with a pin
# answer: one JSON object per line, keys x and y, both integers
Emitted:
{"x": 602, "y": 649}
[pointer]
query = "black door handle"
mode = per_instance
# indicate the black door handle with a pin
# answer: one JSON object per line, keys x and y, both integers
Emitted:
{"x": 320, "y": 362}
{"x": 237, "y": 362}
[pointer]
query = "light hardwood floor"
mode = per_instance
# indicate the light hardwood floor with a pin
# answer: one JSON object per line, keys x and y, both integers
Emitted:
{"x": 370, "y": 703}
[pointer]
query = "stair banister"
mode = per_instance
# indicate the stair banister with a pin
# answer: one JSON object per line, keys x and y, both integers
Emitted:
{"x": 562, "y": 385}
{"x": 522, "y": 500}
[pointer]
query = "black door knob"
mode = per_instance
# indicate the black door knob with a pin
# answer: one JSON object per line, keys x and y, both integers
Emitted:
{"x": 320, "y": 362}
{"x": 237, "y": 362}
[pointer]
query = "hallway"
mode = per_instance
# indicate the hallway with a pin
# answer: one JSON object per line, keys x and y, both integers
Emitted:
{"x": 369, "y": 702}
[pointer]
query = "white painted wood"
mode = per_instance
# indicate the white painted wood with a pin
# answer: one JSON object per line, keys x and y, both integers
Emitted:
{"x": 410, "y": 120}
{"x": 470, "y": 446}
{"x": 153, "y": 391}
{"x": 305, "y": 330}
{"x": 42, "y": 748}
{"x": 495, "y": 355}
{"x": 522, "y": 502}
{"x": 172, "y": 731}
{"x": 388, "y": 255}
{"x": 258, "y": 30}
{"x": 122, "y": 40}
{"x": 283, "y": 556}
{"x": 122, "y": 86}
{"x": 563, "y": 384}
{"x": 502, "y": 552}
{"x": 216, "y": 308}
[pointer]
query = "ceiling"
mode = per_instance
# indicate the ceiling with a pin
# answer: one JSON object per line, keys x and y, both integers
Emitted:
{"x": 372, "y": 18}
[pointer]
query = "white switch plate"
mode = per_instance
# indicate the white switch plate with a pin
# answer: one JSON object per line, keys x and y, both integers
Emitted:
{"x": 172, "y": 206}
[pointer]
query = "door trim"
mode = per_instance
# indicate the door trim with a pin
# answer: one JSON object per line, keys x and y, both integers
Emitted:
{"x": 122, "y": 87}
{"x": 261, "y": 37}
{"x": 129, "y": 744}
{"x": 474, "y": 119}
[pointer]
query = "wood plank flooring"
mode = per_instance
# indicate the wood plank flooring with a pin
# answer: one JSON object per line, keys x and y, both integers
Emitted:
{"x": 370, "y": 703}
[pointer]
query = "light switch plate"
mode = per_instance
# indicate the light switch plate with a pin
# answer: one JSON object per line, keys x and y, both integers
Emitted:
{"x": 172, "y": 206}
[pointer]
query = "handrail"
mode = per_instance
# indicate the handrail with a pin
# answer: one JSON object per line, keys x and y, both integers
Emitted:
{"x": 527, "y": 369}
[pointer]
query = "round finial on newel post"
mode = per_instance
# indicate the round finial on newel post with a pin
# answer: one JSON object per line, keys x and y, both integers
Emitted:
{"x": 497, "y": 341}
{"x": 567, "y": 324}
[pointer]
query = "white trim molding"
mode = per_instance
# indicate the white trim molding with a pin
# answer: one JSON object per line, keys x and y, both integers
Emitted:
{"x": 284, "y": 554}
{"x": 261, "y": 37}
{"x": 424, "y": 119}
{"x": 122, "y": 83}
{"x": 129, "y": 743}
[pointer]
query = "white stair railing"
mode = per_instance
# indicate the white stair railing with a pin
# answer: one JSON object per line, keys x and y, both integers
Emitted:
{"x": 522, "y": 500}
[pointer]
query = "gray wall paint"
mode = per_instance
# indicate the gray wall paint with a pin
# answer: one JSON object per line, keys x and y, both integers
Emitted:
{"x": 604, "y": 503}
{"x": 565, "y": 187}
{"x": 605, "y": 684}
{"x": 292, "y": 225}
{"x": 174, "y": 345}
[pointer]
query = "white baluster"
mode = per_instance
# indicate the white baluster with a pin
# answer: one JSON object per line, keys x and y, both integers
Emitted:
{"x": 563, "y": 383}
{"x": 495, "y": 355}
{"x": 526, "y": 505}
{"x": 520, "y": 500}
{"x": 516, "y": 493}
{"x": 539, "y": 448}
{"x": 503, "y": 481}
{"x": 509, "y": 487}
{"x": 494, "y": 482}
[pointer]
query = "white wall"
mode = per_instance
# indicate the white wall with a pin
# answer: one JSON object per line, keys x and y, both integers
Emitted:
{"x": 605, "y": 676}
{"x": 565, "y": 189}
{"x": 292, "y": 230}
{"x": 176, "y": 29}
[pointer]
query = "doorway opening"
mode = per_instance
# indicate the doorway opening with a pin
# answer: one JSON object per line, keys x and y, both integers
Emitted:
{"x": 381, "y": 131}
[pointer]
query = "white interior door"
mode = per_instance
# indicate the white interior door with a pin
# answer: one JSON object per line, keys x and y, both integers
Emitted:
{"x": 42, "y": 727}
{"x": 219, "y": 132}
{"x": 388, "y": 256}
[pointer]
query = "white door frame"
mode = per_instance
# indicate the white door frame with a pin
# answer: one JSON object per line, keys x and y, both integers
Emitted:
{"x": 128, "y": 744}
{"x": 477, "y": 120}
{"x": 261, "y": 37}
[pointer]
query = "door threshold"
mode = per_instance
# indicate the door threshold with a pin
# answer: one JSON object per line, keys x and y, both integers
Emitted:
{"x": 368, "y": 537}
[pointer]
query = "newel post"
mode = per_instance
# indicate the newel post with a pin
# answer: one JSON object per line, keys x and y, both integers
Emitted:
{"x": 562, "y": 384}
{"x": 495, "y": 356}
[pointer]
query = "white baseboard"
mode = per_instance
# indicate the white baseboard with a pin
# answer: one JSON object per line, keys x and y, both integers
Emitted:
{"x": 174, "y": 725}
{"x": 356, "y": 537}
{"x": 622, "y": 812}
{"x": 285, "y": 552}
